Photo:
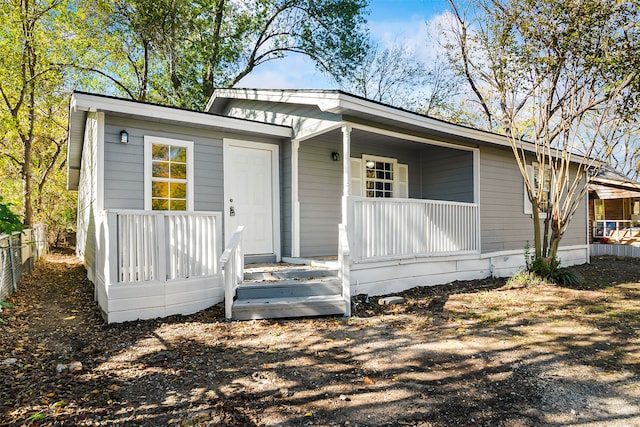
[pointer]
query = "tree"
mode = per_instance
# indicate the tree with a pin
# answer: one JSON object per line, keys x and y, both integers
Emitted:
{"x": 391, "y": 75}
{"x": 394, "y": 76}
{"x": 35, "y": 37}
{"x": 181, "y": 51}
{"x": 555, "y": 76}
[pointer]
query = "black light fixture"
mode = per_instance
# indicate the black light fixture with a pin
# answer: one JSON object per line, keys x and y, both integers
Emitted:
{"x": 335, "y": 156}
{"x": 124, "y": 137}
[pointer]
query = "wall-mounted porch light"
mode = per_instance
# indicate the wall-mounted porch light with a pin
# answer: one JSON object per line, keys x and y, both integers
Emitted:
{"x": 124, "y": 137}
{"x": 335, "y": 156}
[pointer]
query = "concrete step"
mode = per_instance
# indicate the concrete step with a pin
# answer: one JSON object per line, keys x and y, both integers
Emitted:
{"x": 272, "y": 308}
{"x": 288, "y": 288}
{"x": 284, "y": 273}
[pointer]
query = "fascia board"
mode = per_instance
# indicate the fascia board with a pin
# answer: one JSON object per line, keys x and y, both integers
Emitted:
{"x": 324, "y": 100}
{"x": 348, "y": 103}
{"x": 604, "y": 181}
{"x": 88, "y": 102}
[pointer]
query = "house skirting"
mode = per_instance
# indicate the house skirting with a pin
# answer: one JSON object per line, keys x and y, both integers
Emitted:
{"x": 133, "y": 301}
{"x": 381, "y": 277}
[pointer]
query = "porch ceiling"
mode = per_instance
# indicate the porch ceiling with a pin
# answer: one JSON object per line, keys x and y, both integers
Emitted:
{"x": 375, "y": 139}
{"x": 608, "y": 192}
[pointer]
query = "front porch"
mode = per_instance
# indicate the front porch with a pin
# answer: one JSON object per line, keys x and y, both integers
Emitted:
{"x": 156, "y": 264}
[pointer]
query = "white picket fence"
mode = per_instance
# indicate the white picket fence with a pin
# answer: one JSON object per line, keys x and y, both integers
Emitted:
{"x": 391, "y": 228}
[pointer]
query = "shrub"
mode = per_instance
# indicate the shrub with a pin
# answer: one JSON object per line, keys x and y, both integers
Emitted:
{"x": 9, "y": 222}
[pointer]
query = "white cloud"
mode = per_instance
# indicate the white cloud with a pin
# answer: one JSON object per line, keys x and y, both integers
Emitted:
{"x": 293, "y": 72}
{"x": 417, "y": 33}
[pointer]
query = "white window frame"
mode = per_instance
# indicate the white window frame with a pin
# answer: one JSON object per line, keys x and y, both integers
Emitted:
{"x": 148, "y": 142}
{"x": 528, "y": 209}
{"x": 400, "y": 182}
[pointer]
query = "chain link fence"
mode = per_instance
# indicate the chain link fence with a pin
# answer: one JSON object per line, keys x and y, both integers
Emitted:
{"x": 18, "y": 253}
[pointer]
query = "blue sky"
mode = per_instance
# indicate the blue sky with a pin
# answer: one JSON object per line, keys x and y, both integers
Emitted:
{"x": 389, "y": 21}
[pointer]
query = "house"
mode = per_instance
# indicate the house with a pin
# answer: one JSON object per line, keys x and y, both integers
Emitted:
{"x": 614, "y": 208}
{"x": 401, "y": 199}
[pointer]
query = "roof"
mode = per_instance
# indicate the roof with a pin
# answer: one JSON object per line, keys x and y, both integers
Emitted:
{"x": 611, "y": 184}
{"x": 346, "y": 104}
{"x": 82, "y": 102}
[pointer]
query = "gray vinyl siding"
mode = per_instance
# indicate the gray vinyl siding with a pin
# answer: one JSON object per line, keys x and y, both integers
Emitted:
{"x": 124, "y": 163}
{"x": 320, "y": 188}
{"x": 504, "y": 225}
{"x": 319, "y": 193}
{"x": 447, "y": 174}
{"x": 403, "y": 154}
{"x": 87, "y": 195}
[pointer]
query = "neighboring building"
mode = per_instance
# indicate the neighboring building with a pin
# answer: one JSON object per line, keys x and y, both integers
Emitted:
{"x": 614, "y": 208}
{"x": 422, "y": 201}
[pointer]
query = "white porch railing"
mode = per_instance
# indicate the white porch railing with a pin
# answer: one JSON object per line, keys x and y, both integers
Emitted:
{"x": 232, "y": 262}
{"x": 615, "y": 228}
{"x": 161, "y": 246}
{"x": 344, "y": 267}
{"x": 392, "y": 228}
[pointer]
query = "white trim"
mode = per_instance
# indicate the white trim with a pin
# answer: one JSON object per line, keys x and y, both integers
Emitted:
{"x": 409, "y": 137}
{"x": 393, "y": 161}
{"x": 100, "y": 162}
{"x": 356, "y": 186}
{"x": 87, "y": 102}
{"x": 275, "y": 179}
{"x": 346, "y": 171}
{"x": 302, "y": 136}
{"x": 148, "y": 141}
{"x": 588, "y": 227}
{"x": 476, "y": 178}
{"x": 295, "y": 200}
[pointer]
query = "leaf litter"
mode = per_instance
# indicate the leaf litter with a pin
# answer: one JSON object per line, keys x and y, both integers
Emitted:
{"x": 467, "y": 353}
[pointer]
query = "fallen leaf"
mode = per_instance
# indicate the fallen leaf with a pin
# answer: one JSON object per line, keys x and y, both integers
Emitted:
{"x": 113, "y": 387}
{"x": 309, "y": 414}
{"x": 368, "y": 381}
{"x": 69, "y": 318}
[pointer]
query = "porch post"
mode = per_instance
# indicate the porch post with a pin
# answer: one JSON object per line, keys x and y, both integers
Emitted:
{"x": 295, "y": 202}
{"x": 346, "y": 170}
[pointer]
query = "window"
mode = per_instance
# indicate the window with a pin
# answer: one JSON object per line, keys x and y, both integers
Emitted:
{"x": 598, "y": 209}
{"x": 168, "y": 174}
{"x": 535, "y": 176}
{"x": 379, "y": 177}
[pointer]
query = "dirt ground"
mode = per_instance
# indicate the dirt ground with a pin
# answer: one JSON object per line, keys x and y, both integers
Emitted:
{"x": 485, "y": 353}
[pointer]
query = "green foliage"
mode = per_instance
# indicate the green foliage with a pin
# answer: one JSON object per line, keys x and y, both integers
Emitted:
{"x": 9, "y": 221}
{"x": 565, "y": 277}
{"x": 546, "y": 269}
{"x": 4, "y": 304}
{"x": 178, "y": 52}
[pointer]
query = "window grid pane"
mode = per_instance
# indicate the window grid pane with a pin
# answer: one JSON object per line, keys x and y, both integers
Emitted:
{"x": 379, "y": 179}
{"x": 168, "y": 177}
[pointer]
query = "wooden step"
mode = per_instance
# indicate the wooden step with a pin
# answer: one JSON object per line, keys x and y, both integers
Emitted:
{"x": 288, "y": 288}
{"x": 289, "y": 274}
{"x": 272, "y": 308}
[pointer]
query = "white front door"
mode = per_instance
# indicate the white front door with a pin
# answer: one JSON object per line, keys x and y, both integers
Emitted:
{"x": 251, "y": 194}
